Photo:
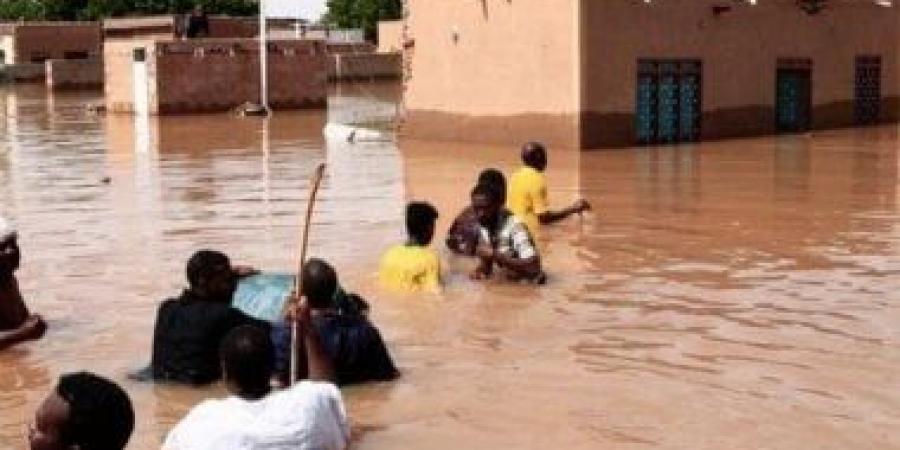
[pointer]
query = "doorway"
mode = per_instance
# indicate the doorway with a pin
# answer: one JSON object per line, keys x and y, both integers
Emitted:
{"x": 793, "y": 96}
{"x": 668, "y": 104}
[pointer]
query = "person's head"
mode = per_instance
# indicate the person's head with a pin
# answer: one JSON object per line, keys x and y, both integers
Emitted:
{"x": 85, "y": 412}
{"x": 420, "y": 219}
{"x": 534, "y": 155}
{"x": 198, "y": 9}
{"x": 210, "y": 275}
{"x": 320, "y": 282}
{"x": 487, "y": 201}
{"x": 248, "y": 361}
{"x": 495, "y": 178}
{"x": 10, "y": 256}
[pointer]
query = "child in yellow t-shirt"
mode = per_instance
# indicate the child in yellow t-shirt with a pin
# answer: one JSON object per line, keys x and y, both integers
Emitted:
{"x": 527, "y": 196}
{"x": 414, "y": 267}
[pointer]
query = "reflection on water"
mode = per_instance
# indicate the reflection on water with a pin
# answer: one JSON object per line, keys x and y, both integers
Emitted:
{"x": 737, "y": 294}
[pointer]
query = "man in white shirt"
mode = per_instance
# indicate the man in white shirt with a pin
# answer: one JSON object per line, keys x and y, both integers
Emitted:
{"x": 308, "y": 416}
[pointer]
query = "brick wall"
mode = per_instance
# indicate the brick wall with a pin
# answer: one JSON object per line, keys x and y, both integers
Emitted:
{"x": 74, "y": 74}
{"x": 22, "y": 73}
{"x": 36, "y": 42}
{"x": 351, "y": 48}
{"x": 217, "y": 75}
{"x": 351, "y": 66}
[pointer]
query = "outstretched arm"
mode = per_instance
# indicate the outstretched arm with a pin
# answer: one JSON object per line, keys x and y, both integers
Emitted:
{"x": 578, "y": 207}
{"x": 33, "y": 328}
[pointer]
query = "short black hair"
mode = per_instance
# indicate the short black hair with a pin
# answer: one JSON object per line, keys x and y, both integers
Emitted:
{"x": 101, "y": 416}
{"x": 496, "y": 178}
{"x": 420, "y": 218}
{"x": 319, "y": 284}
{"x": 490, "y": 191}
{"x": 202, "y": 264}
{"x": 534, "y": 154}
{"x": 248, "y": 359}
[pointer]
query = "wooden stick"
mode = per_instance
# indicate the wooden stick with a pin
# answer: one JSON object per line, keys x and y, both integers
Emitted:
{"x": 315, "y": 182}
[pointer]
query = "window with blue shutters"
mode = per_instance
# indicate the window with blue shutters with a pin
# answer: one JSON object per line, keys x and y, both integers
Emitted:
{"x": 668, "y": 107}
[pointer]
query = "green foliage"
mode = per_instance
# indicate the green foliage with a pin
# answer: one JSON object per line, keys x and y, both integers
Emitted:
{"x": 98, "y": 9}
{"x": 363, "y": 14}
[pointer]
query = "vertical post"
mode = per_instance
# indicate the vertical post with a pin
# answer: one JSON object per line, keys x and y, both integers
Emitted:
{"x": 263, "y": 58}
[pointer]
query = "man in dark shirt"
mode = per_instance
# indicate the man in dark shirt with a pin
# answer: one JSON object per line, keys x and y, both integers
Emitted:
{"x": 197, "y": 24}
{"x": 349, "y": 339}
{"x": 190, "y": 328}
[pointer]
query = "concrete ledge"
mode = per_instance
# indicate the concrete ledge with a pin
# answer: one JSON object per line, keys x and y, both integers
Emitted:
{"x": 555, "y": 130}
{"x": 74, "y": 74}
{"x": 350, "y": 66}
{"x": 594, "y": 130}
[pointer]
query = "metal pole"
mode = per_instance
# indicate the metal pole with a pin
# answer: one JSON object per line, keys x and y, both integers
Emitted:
{"x": 263, "y": 58}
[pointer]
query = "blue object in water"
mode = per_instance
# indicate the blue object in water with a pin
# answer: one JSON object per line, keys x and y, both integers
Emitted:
{"x": 264, "y": 296}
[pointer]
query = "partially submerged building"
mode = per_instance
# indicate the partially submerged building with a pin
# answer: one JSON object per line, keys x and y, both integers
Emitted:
{"x": 590, "y": 74}
{"x": 207, "y": 75}
{"x": 36, "y": 42}
{"x": 172, "y": 26}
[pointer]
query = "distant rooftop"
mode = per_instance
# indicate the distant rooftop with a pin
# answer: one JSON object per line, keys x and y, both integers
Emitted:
{"x": 126, "y": 23}
{"x": 7, "y": 28}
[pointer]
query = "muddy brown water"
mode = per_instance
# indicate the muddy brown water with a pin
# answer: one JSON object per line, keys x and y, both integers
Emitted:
{"x": 739, "y": 294}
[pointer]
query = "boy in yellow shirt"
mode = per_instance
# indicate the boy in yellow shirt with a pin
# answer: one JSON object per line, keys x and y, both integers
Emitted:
{"x": 413, "y": 267}
{"x": 527, "y": 197}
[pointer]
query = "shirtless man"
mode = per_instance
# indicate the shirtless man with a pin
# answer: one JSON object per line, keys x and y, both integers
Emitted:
{"x": 16, "y": 323}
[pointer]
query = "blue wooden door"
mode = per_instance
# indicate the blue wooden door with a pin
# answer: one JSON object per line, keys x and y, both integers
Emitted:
{"x": 793, "y": 100}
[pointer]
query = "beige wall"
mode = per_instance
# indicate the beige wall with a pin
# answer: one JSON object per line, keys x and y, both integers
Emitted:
{"x": 118, "y": 59}
{"x": 9, "y": 50}
{"x": 512, "y": 69}
{"x": 739, "y": 50}
{"x": 390, "y": 36}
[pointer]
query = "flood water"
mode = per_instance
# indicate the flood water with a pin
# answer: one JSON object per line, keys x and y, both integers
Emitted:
{"x": 739, "y": 294}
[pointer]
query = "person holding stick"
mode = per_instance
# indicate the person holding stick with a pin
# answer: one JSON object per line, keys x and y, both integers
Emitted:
{"x": 308, "y": 415}
{"x": 352, "y": 344}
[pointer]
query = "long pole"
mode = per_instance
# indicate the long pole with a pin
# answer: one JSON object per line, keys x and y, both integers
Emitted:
{"x": 263, "y": 58}
{"x": 298, "y": 281}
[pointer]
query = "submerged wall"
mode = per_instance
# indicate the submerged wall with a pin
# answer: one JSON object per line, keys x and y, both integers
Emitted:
{"x": 40, "y": 41}
{"x": 207, "y": 75}
{"x": 349, "y": 66}
{"x": 74, "y": 74}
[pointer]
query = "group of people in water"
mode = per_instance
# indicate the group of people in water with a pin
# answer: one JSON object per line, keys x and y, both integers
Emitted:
{"x": 200, "y": 338}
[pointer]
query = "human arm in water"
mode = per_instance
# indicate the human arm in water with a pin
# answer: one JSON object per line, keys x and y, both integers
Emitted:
{"x": 33, "y": 328}
{"x": 522, "y": 267}
{"x": 319, "y": 366}
{"x": 549, "y": 217}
